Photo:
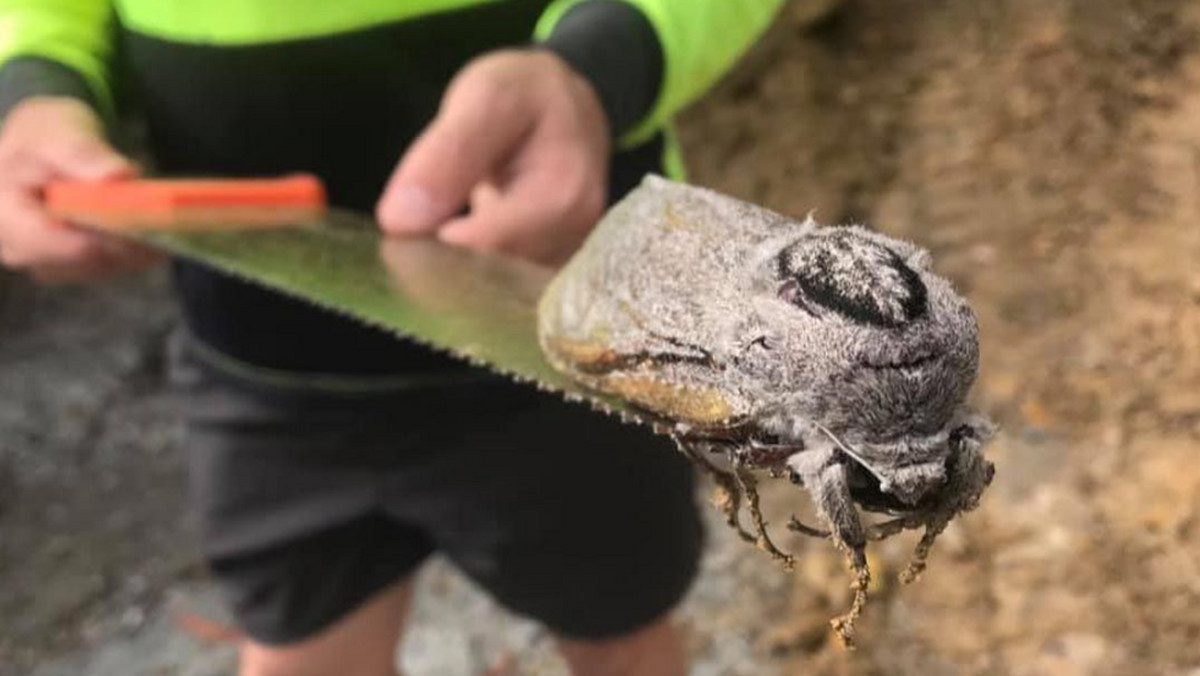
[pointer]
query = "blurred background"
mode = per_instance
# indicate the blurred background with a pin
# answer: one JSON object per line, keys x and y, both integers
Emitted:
{"x": 1046, "y": 151}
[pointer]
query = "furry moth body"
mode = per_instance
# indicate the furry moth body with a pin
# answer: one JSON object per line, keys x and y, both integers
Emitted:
{"x": 833, "y": 356}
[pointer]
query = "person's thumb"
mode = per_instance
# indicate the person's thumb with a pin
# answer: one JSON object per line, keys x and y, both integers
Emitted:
{"x": 477, "y": 130}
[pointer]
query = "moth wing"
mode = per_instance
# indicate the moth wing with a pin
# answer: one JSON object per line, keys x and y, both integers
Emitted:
{"x": 648, "y": 299}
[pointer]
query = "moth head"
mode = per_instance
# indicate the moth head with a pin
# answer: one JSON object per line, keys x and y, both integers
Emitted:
{"x": 881, "y": 347}
{"x": 947, "y": 466}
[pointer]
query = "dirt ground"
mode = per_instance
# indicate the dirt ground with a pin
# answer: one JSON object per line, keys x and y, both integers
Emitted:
{"x": 1047, "y": 151}
{"x": 1049, "y": 154}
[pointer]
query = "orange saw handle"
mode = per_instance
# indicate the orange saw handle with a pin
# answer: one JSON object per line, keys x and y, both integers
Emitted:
{"x": 150, "y": 204}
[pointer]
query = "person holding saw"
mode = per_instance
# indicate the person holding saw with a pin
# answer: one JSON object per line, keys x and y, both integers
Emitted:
{"x": 328, "y": 460}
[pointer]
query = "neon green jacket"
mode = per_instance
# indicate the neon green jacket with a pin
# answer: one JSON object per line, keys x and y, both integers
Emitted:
{"x": 699, "y": 39}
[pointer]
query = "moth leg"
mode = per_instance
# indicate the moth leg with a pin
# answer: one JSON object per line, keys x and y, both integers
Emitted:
{"x": 916, "y": 565}
{"x": 874, "y": 532}
{"x": 730, "y": 500}
{"x": 826, "y": 479}
{"x": 796, "y": 525}
{"x": 749, "y": 486}
{"x": 850, "y": 538}
{"x": 799, "y": 526}
{"x": 970, "y": 475}
{"x": 886, "y": 529}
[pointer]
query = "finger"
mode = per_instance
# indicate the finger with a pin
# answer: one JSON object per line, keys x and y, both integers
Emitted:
{"x": 485, "y": 194}
{"x": 28, "y": 174}
{"x": 480, "y": 125}
{"x": 533, "y": 215}
{"x": 83, "y": 156}
{"x": 28, "y": 237}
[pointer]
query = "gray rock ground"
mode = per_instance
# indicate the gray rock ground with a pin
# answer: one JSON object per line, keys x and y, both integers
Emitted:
{"x": 96, "y": 546}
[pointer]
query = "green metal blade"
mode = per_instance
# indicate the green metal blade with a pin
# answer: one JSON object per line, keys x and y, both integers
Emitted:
{"x": 475, "y": 306}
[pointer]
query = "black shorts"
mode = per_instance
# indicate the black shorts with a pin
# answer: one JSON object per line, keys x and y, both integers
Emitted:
{"x": 314, "y": 494}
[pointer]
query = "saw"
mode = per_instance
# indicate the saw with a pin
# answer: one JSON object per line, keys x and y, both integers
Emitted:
{"x": 281, "y": 233}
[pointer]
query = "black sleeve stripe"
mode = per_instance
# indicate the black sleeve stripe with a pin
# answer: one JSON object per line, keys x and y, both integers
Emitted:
{"x": 614, "y": 46}
{"x": 30, "y": 76}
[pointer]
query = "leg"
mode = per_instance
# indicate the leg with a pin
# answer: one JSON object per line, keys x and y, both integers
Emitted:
{"x": 748, "y": 485}
{"x": 825, "y": 478}
{"x": 364, "y": 642}
{"x": 799, "y": 526}
{"x": 834, "y": 500}
{"x": 917, "y": 565}
{"x": 589, "y": 526}
{"x": 656, "y": 650}
{"x": 284, "y": 487}
{"x": 969, "y": 478}
{"x": 730, "y": 500}
{"x": 885, "y": 530}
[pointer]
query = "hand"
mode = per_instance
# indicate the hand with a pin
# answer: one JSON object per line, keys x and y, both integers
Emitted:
{"x": 523, "y": 140}
{"x": 45, "y": 139}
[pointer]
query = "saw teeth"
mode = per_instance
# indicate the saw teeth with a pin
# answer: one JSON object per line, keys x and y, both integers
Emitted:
{"x": 221, "y": 261}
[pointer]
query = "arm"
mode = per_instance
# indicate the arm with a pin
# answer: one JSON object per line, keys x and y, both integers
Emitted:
{"x": 648, "y": 59}
{"x": 523, "y": 138}
{"x": 55, "y": 48}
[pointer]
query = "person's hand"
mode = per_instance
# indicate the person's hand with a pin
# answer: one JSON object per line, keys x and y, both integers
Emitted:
{"x": 523, "y": 141}
{"x": 57, "y": 138}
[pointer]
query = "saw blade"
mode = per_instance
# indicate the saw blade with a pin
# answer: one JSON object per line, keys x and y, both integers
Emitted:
{"x": 474, "y": 306}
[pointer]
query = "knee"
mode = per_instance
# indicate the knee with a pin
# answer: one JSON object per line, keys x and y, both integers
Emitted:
{"x": 656, "y": 649}
{"x": 258, "y": 662}
{"x": 295, "y": 660}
